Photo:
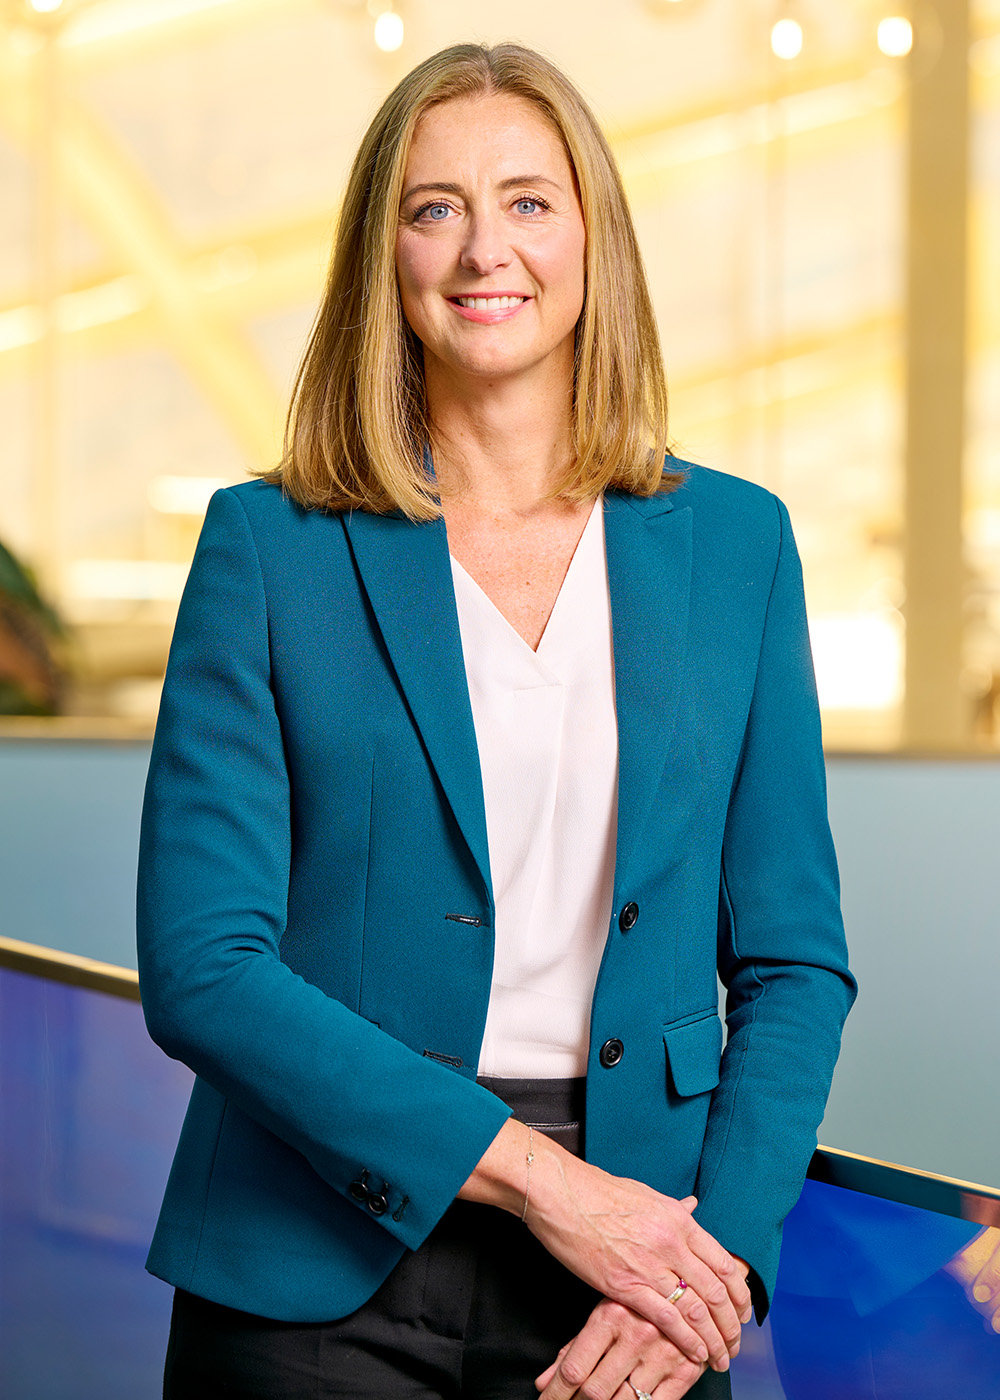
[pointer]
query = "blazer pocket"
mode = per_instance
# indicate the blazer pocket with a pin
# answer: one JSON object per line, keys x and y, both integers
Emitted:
{"x": 694, "y": 1051}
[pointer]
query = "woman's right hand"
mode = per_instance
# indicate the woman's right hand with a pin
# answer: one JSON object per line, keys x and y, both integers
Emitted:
{"x": 623, "y": 1238}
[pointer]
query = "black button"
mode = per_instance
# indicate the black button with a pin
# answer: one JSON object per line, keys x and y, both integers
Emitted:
{"x": 378, "y": 1205}
{"x": 611, "y": 1053}
{"x": 359, "y": 1188}
{"x": 629, "y": 917}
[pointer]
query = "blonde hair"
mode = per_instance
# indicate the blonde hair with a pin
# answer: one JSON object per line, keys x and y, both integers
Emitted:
{"x": 358, "y": 420}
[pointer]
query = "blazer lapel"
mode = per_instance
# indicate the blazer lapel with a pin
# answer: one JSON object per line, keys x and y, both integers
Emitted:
{"x": 648, "y": 541}
{"x": 406, "y": 574}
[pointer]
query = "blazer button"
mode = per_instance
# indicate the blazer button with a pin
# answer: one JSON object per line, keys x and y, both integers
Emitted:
{"x": 378, "y": 1205}
{"x": 611, "y": 1053}
{"x": 629, "y": 917}
{"x": 359, "y": 1188}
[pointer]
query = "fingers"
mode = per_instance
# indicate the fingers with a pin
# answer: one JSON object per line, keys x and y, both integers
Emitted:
{"x": 578, "y": 1359}
{"x": 985, "y": 1290}
{"x": 661, "y": 1374}
{"x": 722, "y": 1264}
{"x": 705, "y": 1306}
{"x": 719, "y": 1328}
{"x": 977, "y": 1269}
{"x": 717, "y": 1295}
{"x": 673, "y": 1388}
{"x": 616, "y": 1344}
{"x": 688, "y": 1324}
{"x": 973, "y": 1257}
{"x": 543, "y": 1380}
{"x": 719, "y": 1282}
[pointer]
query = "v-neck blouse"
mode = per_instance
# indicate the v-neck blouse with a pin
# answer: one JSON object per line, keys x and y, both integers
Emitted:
{"x": 548, "y": 750}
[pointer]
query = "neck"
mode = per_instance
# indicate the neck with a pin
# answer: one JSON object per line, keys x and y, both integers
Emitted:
{"x": 499, "y": 446}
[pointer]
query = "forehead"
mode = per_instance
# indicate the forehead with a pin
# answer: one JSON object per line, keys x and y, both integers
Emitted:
{"x": 497, "y": 130}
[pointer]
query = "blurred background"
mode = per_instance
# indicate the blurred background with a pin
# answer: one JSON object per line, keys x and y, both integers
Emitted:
{"x": 816, "y": 185}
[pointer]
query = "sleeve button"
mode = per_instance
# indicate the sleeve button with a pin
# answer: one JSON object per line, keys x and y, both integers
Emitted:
{"x": 378, "y": 1205}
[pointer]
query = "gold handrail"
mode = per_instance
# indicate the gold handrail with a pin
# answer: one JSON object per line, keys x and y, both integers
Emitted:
{"x": 40, "y": 961}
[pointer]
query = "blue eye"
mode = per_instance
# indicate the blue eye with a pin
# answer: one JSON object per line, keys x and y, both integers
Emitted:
{"x": 527, "y": 206}
{"x": 437, "y": 212}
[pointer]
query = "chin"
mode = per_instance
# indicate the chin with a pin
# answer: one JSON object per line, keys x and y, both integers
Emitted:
{"x": 499, "y": 362}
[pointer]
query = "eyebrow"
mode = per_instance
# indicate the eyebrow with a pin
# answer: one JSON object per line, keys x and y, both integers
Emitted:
{"x": 446, "y": 187}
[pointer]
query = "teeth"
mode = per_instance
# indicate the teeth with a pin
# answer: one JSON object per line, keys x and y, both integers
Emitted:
{"x": 489, "y": 303}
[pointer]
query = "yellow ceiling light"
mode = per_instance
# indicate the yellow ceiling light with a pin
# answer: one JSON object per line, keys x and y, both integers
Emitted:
{"x": 895, "y": 36}
{"x": 389, "y": 31}
{"x": 786, "y": 39}
{"x": 45, "y": 7}
{"x": 111, "y": 19}
{"x": 858, "y": 659}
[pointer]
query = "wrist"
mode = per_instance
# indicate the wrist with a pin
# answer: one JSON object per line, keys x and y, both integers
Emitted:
{"x": 501, "y": 1177}
{"x": 554, "y": 1184}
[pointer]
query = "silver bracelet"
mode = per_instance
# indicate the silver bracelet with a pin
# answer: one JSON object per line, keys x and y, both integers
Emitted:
{"x": 527, "y": 1181}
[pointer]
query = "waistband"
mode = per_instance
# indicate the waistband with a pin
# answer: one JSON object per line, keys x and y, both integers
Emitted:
{"x": 556, "y": 1107}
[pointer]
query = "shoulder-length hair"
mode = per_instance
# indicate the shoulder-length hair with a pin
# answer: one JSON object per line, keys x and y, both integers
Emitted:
{"x": 358, "y": 421}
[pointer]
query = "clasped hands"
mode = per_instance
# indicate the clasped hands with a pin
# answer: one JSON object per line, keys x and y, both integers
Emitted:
{"x": 632, "y": 1245}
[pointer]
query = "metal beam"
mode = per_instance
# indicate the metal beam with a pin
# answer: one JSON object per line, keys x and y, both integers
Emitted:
{"x": 124, "y": 210}
{"x": 935, "y": 713}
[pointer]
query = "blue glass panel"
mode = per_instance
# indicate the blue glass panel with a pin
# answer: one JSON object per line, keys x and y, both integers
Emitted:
{"x": 89, "y": 1115}
{"x": 868, "y": 1307}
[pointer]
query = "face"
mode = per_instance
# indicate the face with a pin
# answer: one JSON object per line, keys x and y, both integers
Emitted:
{"x": 490, "y": 245}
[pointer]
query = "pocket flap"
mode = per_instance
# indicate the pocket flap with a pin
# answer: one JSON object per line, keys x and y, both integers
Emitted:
{"x": 694, "y": 1051}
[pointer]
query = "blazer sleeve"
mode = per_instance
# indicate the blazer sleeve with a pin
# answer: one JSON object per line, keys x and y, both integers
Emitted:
{"x": 781, "y": 951}
{"x": 214, "y": 859}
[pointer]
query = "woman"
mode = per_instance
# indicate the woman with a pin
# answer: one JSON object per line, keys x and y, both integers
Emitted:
{"x": 412, "y": 822}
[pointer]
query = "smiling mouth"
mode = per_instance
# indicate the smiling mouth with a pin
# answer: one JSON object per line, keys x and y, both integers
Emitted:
{"x": 488, "y": 303}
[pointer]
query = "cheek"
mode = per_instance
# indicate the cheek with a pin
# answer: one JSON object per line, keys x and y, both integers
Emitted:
{"x": 404, "y": 273}
{"x": 411, "y": 270}
{"x": 568, "y": 268}
{"x": 420, "y": 263}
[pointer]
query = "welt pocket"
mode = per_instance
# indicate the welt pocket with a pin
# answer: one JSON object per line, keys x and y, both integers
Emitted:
{"x": 693, "y": 1050}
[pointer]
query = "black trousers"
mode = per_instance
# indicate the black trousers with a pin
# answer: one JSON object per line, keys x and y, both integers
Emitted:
{"x": 475, "y": 1313}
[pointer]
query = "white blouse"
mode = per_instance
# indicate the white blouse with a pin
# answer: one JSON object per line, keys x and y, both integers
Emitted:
{"x": 548, "y": 749}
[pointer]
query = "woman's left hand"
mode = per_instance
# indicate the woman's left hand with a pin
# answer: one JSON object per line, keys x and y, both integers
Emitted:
{"x": 617, "y": 1350}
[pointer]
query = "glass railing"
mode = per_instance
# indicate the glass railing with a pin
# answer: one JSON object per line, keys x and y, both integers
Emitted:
{"x": 90, "y": 1111}
{"x": 875, "y": 1297}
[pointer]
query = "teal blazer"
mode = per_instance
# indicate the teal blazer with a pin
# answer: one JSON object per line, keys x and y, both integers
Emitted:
{"x": 315, "y": 914}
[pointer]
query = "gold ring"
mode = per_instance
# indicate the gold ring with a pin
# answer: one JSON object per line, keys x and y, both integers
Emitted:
{"x": 681, "y": 1285}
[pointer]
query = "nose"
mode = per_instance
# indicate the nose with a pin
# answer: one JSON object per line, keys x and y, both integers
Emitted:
{"x": 486, "y": 246}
